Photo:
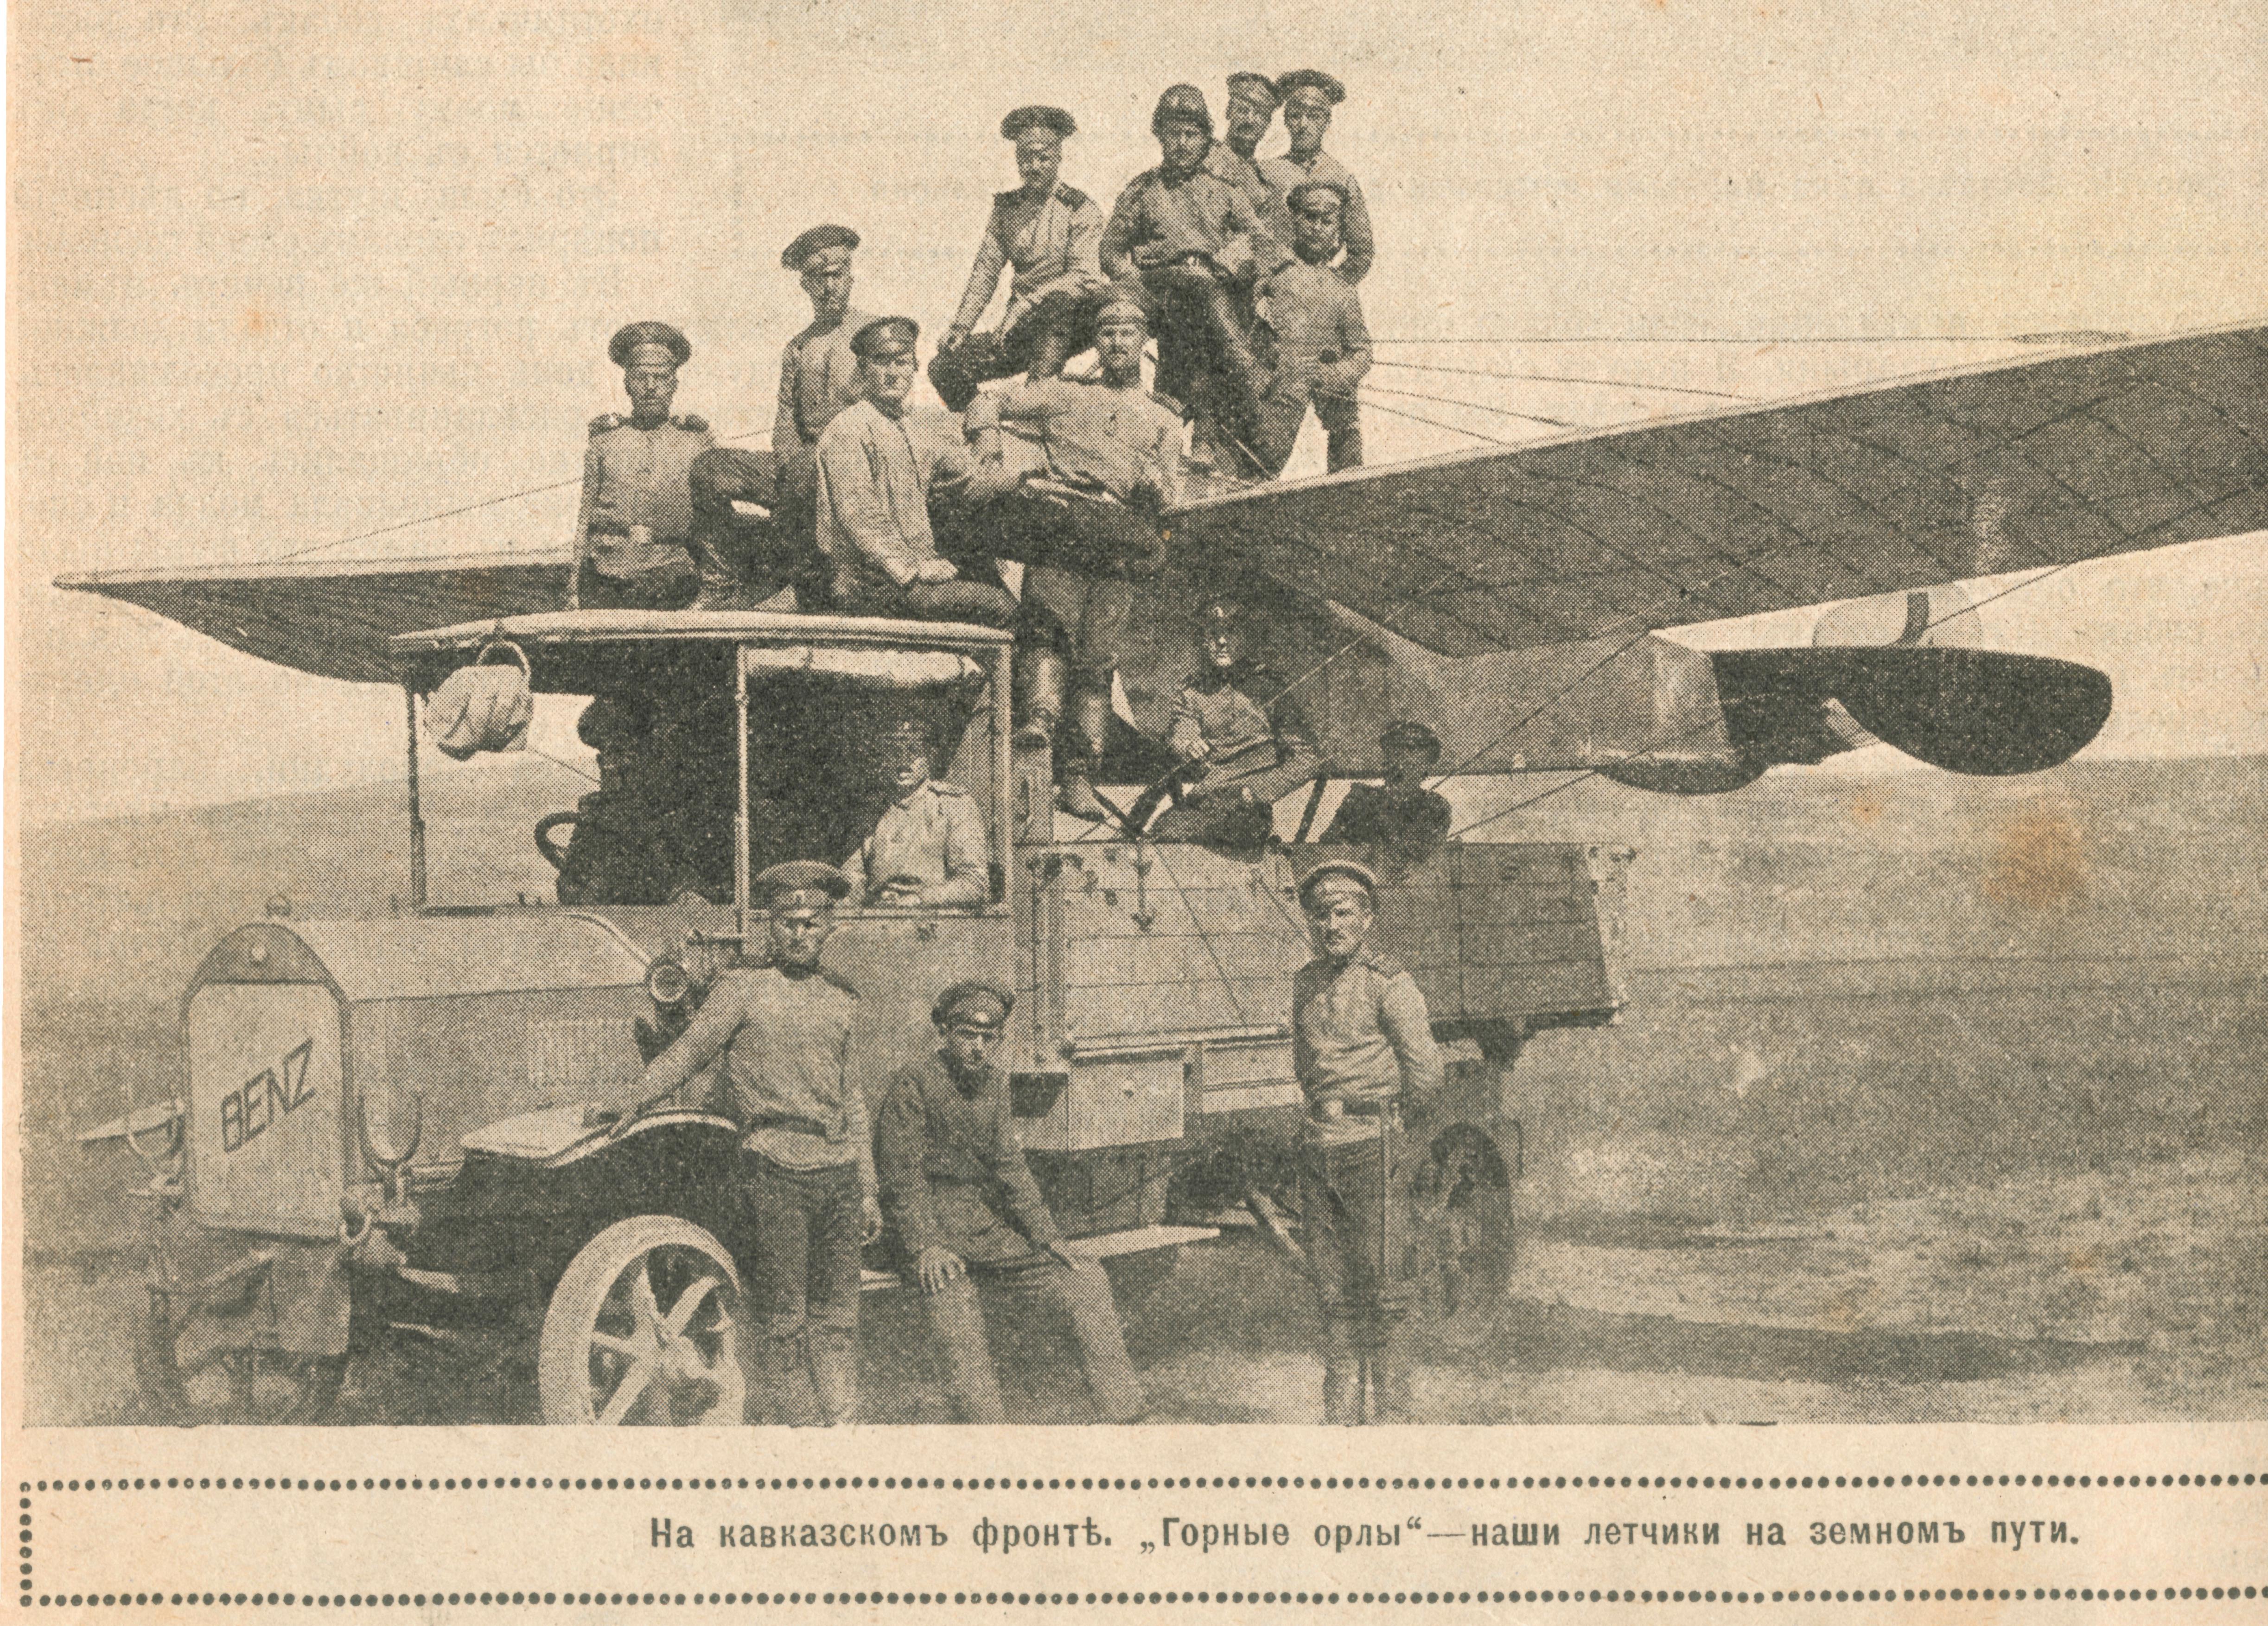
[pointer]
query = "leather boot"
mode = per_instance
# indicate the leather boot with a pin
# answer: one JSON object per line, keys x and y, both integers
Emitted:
{"x": 832, "y": 1352}
{"x": 1342, "y": 1374}
{"x": 1081, "y": 739}
{"x": 781, "y": 1389}
{"x": 1041, "y": 677}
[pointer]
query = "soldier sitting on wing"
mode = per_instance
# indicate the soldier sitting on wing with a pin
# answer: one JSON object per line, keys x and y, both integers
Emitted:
{"x": 1401, "y": 818}
{"x": 744, "y": 563}
{"x": 930, "y": 849}
{"x": 1112, "y": 436}
{"x": 877, "y": 464}
{"x": 1322, "y": 345}
{"x": 964, "y": 1206}
{"x": 1051, "y": 235}
{"x": 1199, "y": 247}
{"x": 636, "y": 521}
{"x": 1243, "y": 741}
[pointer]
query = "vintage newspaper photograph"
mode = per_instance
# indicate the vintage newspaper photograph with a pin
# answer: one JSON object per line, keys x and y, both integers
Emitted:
{"x": 1348, "y": 806}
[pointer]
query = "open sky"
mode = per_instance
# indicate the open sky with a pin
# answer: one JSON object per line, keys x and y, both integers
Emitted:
{"x": 286, "y": 272}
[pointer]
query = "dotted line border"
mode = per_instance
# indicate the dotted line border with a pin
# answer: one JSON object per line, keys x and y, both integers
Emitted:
{"x": 1619, "y": 1595}
{"x": 1564, "y": 1481}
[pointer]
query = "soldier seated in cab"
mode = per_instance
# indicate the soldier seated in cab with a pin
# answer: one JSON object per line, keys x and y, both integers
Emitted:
{"x": 1115, "y": 438}
{"x": 1242, "y": 738}
{"x": 930, "y": 848}
{"x": 633, "y": 528}
{"x": 1051, "y": 235}
{"x": 966, "y": 1209}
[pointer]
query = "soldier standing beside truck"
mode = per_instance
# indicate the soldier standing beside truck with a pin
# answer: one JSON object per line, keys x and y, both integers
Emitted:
{"x": 1361, "y": 1042}
{"x": 962, "y": 1202}
{"x": 796, "y": 1057}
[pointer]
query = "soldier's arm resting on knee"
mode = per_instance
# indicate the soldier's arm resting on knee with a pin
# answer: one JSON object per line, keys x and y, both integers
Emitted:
{"x": 983, "y": 279}
{"x": 593, "y": 471}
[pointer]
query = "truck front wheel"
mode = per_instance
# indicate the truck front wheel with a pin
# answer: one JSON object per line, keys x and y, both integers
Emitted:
{"x": 645, "y": 1327}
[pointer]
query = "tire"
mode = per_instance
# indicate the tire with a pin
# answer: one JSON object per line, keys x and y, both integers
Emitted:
{"x": 1458, "y": 1220}
{"x": 645, "y": 1328}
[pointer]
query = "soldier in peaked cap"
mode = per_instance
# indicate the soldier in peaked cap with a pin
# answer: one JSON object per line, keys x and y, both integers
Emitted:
{"x": 636, "y": 519}
{"x": 965, "y": 1210}
{"x": 1322, "y": 344}
{"x": 1401, "y": 818}
{"x": 1361, "y": 1042}
{"x": 1080, "y": 558}
{"x": 879, "y": 461}
{"x": 1199, "y": 247}
{"x": 1252, "y": 103}
{"x": 1309, "y": 95}
{"x": 743, "y": 563}
{"x": 930, "y": 849}
{"x": 1052, "y": 234}
{"x": 1241, "y": 737}
{"x": 798, "y": 1059}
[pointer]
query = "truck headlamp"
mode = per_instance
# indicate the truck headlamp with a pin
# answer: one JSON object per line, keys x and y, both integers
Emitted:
{"x": 666, "y": 981}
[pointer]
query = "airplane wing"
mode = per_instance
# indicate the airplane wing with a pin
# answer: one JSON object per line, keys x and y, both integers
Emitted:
{"x": 334, "y": 617}
{"x": 1605, "y": 535}
{"x": 1602, "y": 535}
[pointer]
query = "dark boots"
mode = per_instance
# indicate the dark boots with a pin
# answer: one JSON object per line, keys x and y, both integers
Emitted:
{"x": 1079, "y": 743}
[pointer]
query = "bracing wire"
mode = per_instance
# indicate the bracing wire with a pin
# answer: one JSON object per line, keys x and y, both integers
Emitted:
{"x": 1565, "y": 377}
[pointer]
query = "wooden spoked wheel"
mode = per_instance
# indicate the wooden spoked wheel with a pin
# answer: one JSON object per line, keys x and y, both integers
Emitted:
{"x": 645, "y": 1328}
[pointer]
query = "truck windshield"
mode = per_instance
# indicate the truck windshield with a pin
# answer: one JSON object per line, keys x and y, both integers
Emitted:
{"x": 827, "y": 736}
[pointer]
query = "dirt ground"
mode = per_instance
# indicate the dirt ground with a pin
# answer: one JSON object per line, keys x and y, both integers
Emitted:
{"x": 2118, "y": 1295}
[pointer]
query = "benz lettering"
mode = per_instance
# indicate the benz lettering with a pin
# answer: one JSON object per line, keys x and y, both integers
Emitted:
{"x": 246, "y": 1111}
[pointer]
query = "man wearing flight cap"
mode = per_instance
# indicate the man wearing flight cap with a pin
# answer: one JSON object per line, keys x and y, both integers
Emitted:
{"x": 929, "y": 848}
{"x": 1361, "y": 1043}
{"x": 879, "y": 461}
{"x": 963, "y": 1205}
{"x": 1309, "y": 95}
{"x": 1199, "y": 247}
{"x": 1322, "y": 344}
{"x": 1242, "y": 740}
{"x": 636, "y": 521}
{"x": 1401, "y": 818}
{"x": 1252, "y": 104}
{"x": 1080, "y": 558}
{"x": 743, "y": 564}
{"x": 798, "y": 1059}
{"x": 1052, "y": 235}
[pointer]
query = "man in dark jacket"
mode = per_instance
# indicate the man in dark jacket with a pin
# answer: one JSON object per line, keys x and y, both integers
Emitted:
{"x": 964, "y": 1206}
{"x": 1243, "y": 741}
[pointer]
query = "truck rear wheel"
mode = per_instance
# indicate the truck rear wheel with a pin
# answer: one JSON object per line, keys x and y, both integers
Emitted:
{"x": 645, "y": 1328}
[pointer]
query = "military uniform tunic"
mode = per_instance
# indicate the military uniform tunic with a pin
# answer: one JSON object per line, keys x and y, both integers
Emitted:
{"x": 1054, "y": 243}
{"x": 937, "y": 836}
{"x": 1313, "y": 313}
{"x": 875, "y": 471}
{"x": 1228, "y": 164}
{"x": 1121, "y": 439}
{"x": 1359, "y": 1035}
{"x": 819, "y": 380}
{"x": 638, "y": 476}
{"x": 1406, "y": 821}
{"x": 1284, "y": 172}
{"x": 953, "y": 1177}
{"x": 1181, "y": 216}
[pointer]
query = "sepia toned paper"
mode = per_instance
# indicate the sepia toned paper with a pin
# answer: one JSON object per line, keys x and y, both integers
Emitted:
{"x": 1813, "y": 466}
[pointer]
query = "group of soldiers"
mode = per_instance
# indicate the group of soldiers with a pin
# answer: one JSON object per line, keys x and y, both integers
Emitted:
{"x": 1243, "y": 268}
{"x": 940, "y": 1159}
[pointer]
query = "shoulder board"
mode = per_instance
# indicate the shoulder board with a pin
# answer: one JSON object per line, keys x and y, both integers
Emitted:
{"x": 691, "y": 421}
{"x": 1385, "y": 965}
{"x": 1072, "y": 197}
{"x": 945, "y": 787}
{"x": 1007, "y": 200}
{"x": 605, "y": 423}
{"x": 835, "y": 979}
{"x": 1170, "y": 404}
